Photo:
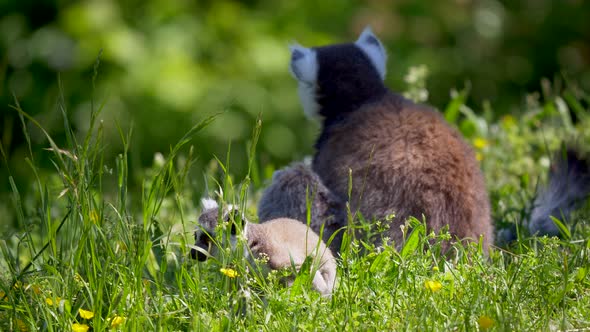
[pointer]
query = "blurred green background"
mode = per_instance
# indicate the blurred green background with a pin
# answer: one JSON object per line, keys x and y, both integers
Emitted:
{"x": 166, "y": 64}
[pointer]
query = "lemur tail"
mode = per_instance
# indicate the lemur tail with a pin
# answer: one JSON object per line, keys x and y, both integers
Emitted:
{"x": 568, "y": 186}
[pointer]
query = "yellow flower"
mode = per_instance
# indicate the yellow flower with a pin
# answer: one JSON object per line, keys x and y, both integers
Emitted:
{"x": 86, "y": 314}
{"x": 121, "y": 245}
{"x": 435, "y": 268}
{"x": 432, "y": 285}
{"x": 53, "y": 301}
{"x": 36, "y": 289}
{"x": 80, "y": 327}
{"x": 116, "y": 321}
{"x": 480, "y": 143}
{"x": 21, "y": 326}
{"x": 478, "y": 156}
{"x": 93, "y": 216}
{"x": 231, "y": 273}
{"x": 508, "y": 121}
{"x": 485, "y": 322}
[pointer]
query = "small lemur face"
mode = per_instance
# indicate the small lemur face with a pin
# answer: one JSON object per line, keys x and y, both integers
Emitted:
{"x": 306, "y": 69}
{"x": 205, "y": 234}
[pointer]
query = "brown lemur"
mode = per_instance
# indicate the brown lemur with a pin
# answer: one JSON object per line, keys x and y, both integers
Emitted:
{"x": 403, "y": 159}
{"x": 284, "y": 242}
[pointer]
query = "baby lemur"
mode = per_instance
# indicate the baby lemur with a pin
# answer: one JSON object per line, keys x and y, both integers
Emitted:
{"x": 296, "y": 190}
{"x": 403, "y": 158}
{"x": 283, "y": 241}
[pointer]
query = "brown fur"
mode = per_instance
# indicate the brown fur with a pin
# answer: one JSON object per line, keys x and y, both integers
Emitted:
{"x": 405, "y": 159}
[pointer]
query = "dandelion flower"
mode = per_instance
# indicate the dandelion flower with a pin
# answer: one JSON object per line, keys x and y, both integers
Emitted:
{"x": 36, "y": 289}
{"x": 480, "y": 143}
{"x": 22, "y": 326}
{"x": 80, "y": 327}
{"x": 432, "y": 285}
{"x": 94, "y": 216}
{"x": 508, "y": 121}
{"x": 116, "y": 321}
{"x": 231, "y": 273}
{"x": 485, "y": 322}
{"x": 53, "y": 301}
{"x": 86, "y": 314}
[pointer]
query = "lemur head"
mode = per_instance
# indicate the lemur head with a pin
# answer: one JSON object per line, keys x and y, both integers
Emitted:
{"x": 338, "y": 78}
{"x": 205, "y": 234}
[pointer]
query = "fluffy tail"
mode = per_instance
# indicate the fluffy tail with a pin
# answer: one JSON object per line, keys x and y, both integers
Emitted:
{"x": 568, "y": 186}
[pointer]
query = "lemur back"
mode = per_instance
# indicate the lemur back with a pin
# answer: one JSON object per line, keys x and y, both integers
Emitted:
{"x": 404, "y": 158}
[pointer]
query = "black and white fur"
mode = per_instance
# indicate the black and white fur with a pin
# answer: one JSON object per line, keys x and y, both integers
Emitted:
{"x": 364, "y": 75}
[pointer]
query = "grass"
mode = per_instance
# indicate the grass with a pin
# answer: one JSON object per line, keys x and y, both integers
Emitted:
{"x": 87, "y": 257}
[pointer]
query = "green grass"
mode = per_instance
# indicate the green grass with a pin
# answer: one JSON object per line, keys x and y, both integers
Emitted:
{"x": 86, "y": 242}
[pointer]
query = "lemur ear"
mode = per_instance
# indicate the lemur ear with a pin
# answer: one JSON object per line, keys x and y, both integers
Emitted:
{"x": 209, "y": 203}
{"x": 304, "y": 64}
{"x": 373, "y": 48}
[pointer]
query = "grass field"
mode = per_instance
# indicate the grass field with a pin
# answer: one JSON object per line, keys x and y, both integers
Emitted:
{"x": 90, "y": 257}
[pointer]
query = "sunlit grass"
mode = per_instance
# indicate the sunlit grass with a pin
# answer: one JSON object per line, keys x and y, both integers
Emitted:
{"x": 86, "y": 258}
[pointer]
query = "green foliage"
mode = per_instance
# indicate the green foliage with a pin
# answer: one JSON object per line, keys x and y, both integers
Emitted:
{"x": 166, "y": 64}
{"x": 124, "y": 257}
{"x": 100, "y": 205}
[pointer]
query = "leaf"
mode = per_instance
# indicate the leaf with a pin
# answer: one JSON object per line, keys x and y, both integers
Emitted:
{"x": 563, "y": 230}
{"x": 453, "y": 109}
{"x": 379, "y": 263}
{"x": 413, "y": 241}
{"x": 581, "y": 274}
{"x": 302, "y": 278}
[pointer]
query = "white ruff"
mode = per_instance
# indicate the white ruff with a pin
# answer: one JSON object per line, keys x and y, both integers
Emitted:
{"x": 209, "y": 203}
{"x": 307, "y": 95}
{"x": 304, "y": 69}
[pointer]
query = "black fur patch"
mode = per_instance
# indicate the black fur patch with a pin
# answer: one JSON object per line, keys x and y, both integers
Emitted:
{"x": 297, "y": 54}
{"x": 346, "y": 80}
{"x": 372, "y": 40}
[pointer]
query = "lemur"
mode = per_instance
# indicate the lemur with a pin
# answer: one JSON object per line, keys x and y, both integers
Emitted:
{"x": 296, "y": 190}
{"x": 568, "y": 185}
{"x": 403, "y": 159}
{"x": 284, "y": 242}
